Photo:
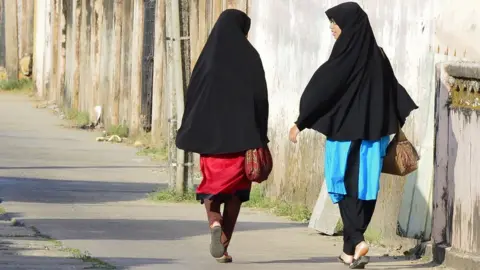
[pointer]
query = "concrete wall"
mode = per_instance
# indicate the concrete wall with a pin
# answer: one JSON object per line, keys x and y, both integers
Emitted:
{"x": 456, "y": 207}
{"x": 293, "y": 38}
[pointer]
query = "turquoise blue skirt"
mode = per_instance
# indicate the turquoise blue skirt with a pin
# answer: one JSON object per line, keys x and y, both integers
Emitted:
{"x": 370, "y": 167}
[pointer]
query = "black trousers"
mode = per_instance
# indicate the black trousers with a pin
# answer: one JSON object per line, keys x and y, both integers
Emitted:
{"x": 356, "y": 214}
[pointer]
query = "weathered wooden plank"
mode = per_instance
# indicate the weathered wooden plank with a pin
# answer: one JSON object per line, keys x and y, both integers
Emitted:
{"x": 95, "y": 46}
{"x": 126, "y": 70}
{"x": 137, "y": 54}
{"x": 26, "y": 26}
{"x": 11, "y": 39}
{"x": 159, "y": 94}
{"x": 116, "y": 53}
{"x": 77, "y": 8}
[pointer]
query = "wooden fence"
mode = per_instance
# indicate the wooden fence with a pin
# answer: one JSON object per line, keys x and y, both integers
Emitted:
{"x": 103, "y": 53}
{"x": 121, "y": 55}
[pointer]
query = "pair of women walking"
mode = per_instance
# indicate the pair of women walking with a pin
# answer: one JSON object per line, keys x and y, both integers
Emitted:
{"x": 353, "y": 99}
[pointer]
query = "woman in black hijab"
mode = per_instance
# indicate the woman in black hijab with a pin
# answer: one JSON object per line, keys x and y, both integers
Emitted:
{"x": 226, "y": 114}
{"x": 355, "y": 100}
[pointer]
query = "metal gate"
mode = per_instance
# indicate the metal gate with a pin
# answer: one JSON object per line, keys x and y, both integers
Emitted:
{"x": 2, "y": 33}
{"x": 147, "y": 63}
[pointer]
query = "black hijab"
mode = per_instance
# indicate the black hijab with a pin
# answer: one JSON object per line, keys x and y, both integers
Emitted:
{"x": 226, "y": 109}
{"x": 354, "y": 95}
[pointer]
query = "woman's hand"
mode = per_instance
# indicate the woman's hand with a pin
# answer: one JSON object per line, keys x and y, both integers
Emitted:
{"x": 293, "y": 134}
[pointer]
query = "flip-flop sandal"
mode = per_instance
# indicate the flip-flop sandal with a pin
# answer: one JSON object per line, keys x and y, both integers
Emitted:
{"x": 225, "y": 259}
{"x": 342, "y": 261}
{"x": 360, "y": 263}
{"x": 216, "y": 247}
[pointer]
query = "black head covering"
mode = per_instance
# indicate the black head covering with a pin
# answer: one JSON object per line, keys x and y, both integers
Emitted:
{"x": 226, "y": 109}
{"x": 354, "y": 95}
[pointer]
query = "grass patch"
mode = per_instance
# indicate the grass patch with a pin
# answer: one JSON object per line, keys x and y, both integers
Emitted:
{"x": 296, "y": 212}
{"x": 16, "y": 85}
{"x": 155, "y": 153}
{"x": 2, "y": 210}
{"x": 80, "y": 119}
{"x": 257, "y": 200}
{"x": 119, "y": 130}
{"x": 146, "y": 147}
{"x": 169, "y": 195}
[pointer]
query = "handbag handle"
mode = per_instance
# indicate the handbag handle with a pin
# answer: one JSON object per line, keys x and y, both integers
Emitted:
{"x": 400, "y": 136}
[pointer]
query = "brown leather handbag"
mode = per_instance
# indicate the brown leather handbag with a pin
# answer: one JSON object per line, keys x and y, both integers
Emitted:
{"x": 258, "y": 164}
{"x": 402, "y": 157}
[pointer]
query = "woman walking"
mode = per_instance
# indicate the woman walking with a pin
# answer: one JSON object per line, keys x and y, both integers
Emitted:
{"x": 226, "y": 114}
{"x": 355, "y": 100}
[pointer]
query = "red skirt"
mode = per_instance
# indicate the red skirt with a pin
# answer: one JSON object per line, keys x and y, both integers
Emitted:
{"x": 223, "y": 177}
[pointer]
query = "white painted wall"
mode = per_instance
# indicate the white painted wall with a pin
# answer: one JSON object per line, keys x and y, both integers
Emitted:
{"x": 293, "y": 39}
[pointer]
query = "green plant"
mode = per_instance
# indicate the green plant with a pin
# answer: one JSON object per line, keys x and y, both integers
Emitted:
{"x": 296, "y": 212}
{"x": 155, "y": 153}
{"x": 79, "y": 118}
{"x": 119, "y": 130}
{"x": 170, "y": 195}
{"x": 16, "y": 85}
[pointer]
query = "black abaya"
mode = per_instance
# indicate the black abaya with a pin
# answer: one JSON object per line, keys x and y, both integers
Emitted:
{"x": 354, "y": 95}
{"x": 226, "y": 108}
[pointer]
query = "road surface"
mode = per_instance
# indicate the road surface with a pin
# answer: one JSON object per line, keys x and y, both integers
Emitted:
{"x": 91, "y": 196}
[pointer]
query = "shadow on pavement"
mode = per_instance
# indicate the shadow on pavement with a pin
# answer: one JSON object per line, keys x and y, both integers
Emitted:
{"x": 33, "y": 190}
{"x": 115, "y": 229}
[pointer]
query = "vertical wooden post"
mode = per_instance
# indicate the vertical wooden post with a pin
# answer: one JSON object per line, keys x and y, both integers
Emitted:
{"x": 115, "y": 85}
{"x": 11, "y": 39}
{"x": 178, "y": 86}
{"x": 26, "y": 27}
{"x": 158, "y": 96}
{"x": 97, "y": 13}
{"x": 61, "y": 53}
{"x": 137, "y": 57}
{"x": 54, "y": 15}
{"x": 76, "y": 72}
{"x": 202, "y": 31}
{"x": 217, "y": 9}
{"x": 194, "y": 32}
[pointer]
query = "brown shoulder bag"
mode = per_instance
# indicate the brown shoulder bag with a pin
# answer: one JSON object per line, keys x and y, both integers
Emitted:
{"x": 402, "y": 157}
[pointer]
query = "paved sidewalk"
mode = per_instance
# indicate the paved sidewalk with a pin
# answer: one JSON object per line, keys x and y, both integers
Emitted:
{"x": 22, "y": 248}
{"x": 90, "y": 196}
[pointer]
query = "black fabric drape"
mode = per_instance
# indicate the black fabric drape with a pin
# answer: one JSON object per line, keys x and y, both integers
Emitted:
{"x": 354, "y": 95}
{"x": 226, "y": 109}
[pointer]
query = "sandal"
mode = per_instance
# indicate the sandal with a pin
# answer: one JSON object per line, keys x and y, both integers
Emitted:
{"x": 225, "y": 258}
{"x": 217, "y": 249}
{"x": 360, "y": 263}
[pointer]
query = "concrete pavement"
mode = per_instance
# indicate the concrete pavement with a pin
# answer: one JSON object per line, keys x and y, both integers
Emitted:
{"x": 90, "y": 196}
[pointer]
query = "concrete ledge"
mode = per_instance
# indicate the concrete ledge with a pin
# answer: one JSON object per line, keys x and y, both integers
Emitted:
{"x": 453, "y": 258}
{"x": 470, "y": 70}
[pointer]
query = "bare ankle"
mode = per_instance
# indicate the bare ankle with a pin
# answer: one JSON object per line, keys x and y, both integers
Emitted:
{"x": 361, "y": 250}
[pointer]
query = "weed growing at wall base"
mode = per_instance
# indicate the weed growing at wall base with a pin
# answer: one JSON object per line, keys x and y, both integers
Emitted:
{"x": 295, "y": 212}
{"x": 170, "y": 195}
{"x": 80, "y": 119}
{"x": 16, "y": 85}
{"x": 257, "y": 200}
